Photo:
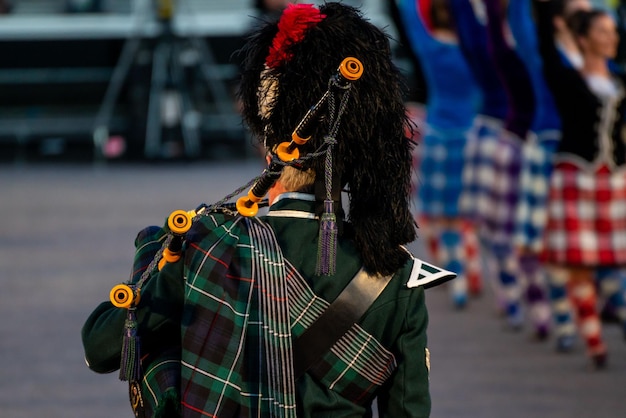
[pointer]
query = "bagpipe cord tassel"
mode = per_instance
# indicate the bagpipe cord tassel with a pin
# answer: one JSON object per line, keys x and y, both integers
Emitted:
{"x": 329, "y": 232}
{"x": 327, "y": 239}
{"x": 130, "y": 366}
{"x": 168, "y": 402}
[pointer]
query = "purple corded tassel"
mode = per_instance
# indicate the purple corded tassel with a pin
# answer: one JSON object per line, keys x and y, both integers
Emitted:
{"x": 130, "y": 366}
{"x": 327, "y": 241}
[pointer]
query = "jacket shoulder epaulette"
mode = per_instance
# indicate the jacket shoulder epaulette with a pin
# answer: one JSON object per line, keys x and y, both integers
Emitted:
{"x": 427, "y": 275}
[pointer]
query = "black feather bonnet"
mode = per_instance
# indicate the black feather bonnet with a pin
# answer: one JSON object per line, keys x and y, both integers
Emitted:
{"x": 372, "y": 157}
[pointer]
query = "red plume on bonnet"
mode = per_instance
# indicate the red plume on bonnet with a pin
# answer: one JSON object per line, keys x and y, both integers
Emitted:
{"x": 294, "y": 22}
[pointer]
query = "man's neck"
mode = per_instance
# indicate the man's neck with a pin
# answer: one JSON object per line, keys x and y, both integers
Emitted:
{"x": 277, "y": 189}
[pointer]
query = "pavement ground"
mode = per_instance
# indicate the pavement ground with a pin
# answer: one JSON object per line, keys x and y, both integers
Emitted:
{"x": 66, "y": 237}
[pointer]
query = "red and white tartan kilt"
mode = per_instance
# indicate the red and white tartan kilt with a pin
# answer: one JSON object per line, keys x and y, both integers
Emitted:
{"x": 586, "y": 216}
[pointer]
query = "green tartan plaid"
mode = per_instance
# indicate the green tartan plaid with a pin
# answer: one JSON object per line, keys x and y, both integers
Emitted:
{"x": 161, "y": 371}
{"x": 161, "y": 383}
{"x": 356, "y": 364}
{"x": 243, "y": 305}
{"x": 236, "y": 358}
{"x": 148, "y": 242}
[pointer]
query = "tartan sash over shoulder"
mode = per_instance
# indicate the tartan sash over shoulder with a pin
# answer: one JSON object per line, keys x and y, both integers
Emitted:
{"x": 237, "y": 355}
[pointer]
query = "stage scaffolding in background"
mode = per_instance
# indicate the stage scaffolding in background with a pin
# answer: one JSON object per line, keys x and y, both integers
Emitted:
{"x": 176, "y": 46}
{"x": 173, "y": 51}
{"x": 178, "y": 62}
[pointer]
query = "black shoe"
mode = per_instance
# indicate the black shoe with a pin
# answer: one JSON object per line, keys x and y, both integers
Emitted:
{"x": 599, "y": 360}
{"x": 608, "y": 315}
{"x": 542, "y": 332}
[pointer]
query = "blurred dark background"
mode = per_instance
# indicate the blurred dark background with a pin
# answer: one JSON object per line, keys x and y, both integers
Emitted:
{"x": 120, "y": 80}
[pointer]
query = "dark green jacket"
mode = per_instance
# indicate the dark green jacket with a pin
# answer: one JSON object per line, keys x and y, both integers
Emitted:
{"x": 397, "y": 321}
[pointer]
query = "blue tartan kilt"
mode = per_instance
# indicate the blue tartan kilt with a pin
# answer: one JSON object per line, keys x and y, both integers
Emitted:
{"x": 499, "y": 204}
{"x": 478, "y": 169}
{"x": 440, "y": 172}
{"x": 532, "y": 209}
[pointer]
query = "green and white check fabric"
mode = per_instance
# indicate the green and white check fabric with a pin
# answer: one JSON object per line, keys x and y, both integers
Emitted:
{"x": 243, "y": 305}
{"x": 237, "y": 354}
{"x": 356, "y": 364}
